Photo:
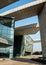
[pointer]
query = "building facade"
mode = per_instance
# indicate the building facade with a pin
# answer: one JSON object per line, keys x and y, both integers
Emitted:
{"x": 7, "y": 32}
{"x": 18, "y": 45}
{"x": 23, "y": 45}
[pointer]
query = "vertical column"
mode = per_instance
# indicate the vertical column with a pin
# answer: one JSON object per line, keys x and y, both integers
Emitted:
{"x": 11, "y": 55}
{"x": 42, "y": 22}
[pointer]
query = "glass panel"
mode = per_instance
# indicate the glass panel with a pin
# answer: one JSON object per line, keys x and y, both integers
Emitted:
{"x": 7, "y": 32}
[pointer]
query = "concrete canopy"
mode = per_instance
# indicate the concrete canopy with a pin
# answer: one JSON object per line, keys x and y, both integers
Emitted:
{"x": 25, "y": 11}
{"x": 28, "y": 29}
{"x": 4, "y": 3}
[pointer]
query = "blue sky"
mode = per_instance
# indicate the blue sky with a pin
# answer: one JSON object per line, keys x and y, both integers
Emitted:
{"x": 16, "y": 4}
{"x": 26, "y": 21}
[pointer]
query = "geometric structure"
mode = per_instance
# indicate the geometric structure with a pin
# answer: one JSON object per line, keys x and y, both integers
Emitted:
{"x": 21, "y": 39}
{"x": 25, "y": 11}
{"x": 22, "y": 44}
{"x": 39, "y": 8}
{"x": 42, "y": 21}
{"x": 6, "y": 33}
{"x": 4, "y": 3}
{"x": 27, "y": 29}
{"x": 28, "y": 10}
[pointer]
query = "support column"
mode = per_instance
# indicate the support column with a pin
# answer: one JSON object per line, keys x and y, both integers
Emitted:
{"x": 42, "y": 22}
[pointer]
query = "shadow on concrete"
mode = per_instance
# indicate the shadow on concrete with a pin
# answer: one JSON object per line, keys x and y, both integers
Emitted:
{"x": 39, "y": 60}
{"x": 25, "y": 60}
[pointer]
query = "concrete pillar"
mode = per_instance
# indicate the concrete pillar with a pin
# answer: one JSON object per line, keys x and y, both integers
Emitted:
{"x": 42, "y": 22}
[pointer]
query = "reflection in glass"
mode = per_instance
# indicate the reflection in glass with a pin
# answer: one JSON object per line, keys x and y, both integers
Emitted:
{"x": 7, "y": 32}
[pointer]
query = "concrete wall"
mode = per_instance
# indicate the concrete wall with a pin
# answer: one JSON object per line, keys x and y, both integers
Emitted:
{"x": 42, "y": 22}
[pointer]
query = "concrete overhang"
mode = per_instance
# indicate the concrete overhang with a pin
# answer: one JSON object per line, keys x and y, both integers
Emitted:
{"x": 4, "y": 3}
{"x": 28, "y": 29}
{"x": 25, "y": 11}
{"x": 4, "y": 42}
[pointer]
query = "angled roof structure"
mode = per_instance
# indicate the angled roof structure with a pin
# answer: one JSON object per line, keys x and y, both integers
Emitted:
{"x": 28, "y": 29}
{"x": 25, "y": 11}
{"x": 4, "y": 3}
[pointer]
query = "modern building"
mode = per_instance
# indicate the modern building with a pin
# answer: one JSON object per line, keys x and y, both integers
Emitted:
{"x": 11, "y": 44}
{"x": 37, "y": 7}
{"x": 7, "y": 33}
{"x": 23, "y": 44}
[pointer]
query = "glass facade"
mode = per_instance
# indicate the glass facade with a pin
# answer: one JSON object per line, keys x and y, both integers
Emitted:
{"x": 7, "y": 32}
{"x": 28, "y": 44}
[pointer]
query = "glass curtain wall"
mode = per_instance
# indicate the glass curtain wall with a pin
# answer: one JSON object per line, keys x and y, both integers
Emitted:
{"x": 7, "y": 32}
